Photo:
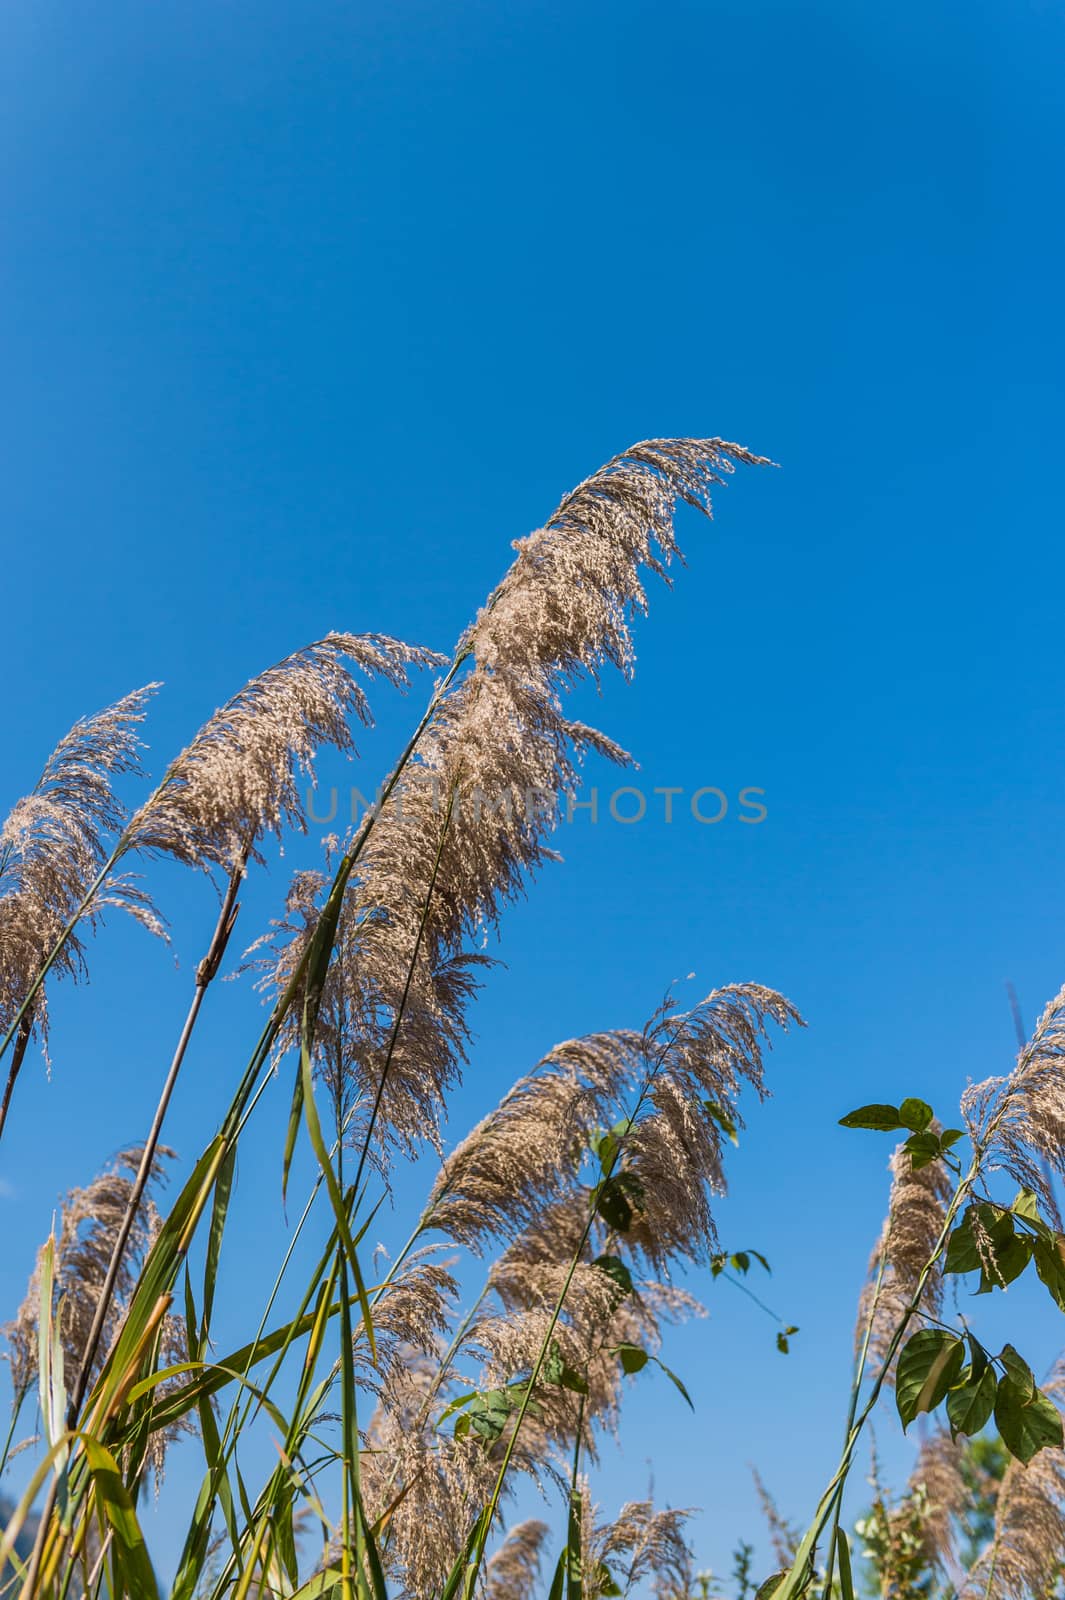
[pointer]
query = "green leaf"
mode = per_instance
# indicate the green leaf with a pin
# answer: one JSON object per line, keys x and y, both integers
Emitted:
{"x": 969, "y": 1407}
{"x": 783, "y": 1340}
{"x": 632, "y": 1357}
{"x": 338, "y": 1201}
{"x": 978, "y": 1356}
{"x": 1026, "y": 1426}
{"x": 114, "y": 1501}
{"x": 557, "y": 1371}
{"x": 295, "y": 1117}
{"x": 1019, "y": 1372}
{"x": 962, "y": 1254}
{"x": 846, "y": 1578}
{"x": 882, "y": 1119}
{"x": 724, "y": 1119}
{"x": 219, "y": 1211}
{"x": 1009, "y": 1250}
{"x": 319, "y": 954}
{"x": 915, "y": 1115}
{"x": 575, "y": 1546}
{"x": 950, "y": 1136}
{"x": 487, "y": 1414}
{"x": 612, "y": 1205}
{"x": 770, "y": 1586}
{"x": 929, "y": 1365}
{"x": 607, "y": 1145}
{"x": 672, "y": 1376}
{"x": 1026, "y": 1205}
{"x": 285, "y": 1540}
{"x": 1050, "y": 1265}
{"x": 923, "y": 1148}
{"x": 605, "y": 1582}
{"x": 616, "y": 1269}
{"x": 1011, "y": 1258}
{"x": 464, "y": 1570}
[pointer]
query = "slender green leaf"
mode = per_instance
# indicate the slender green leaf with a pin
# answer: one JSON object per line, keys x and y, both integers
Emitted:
{"x": 223, "y": 1189}
{"x": 846, "y": 1578}
{"x": 575, "y": 1547}
{"x": 295, "y": 1117}
{"x": 463, "y": 1573}
{"x": 114, "y": 1500}
{"x": 340, "y": 1210}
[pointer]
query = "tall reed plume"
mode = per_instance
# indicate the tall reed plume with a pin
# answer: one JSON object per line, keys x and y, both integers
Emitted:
{"x": 474, "y": 814}
{"x": 1026, "y": 1556}
{"x": 916, "y": 1211}
{"x": 52, "y": 846}
{"x": 520, "y": 1190}
{"x": 88, "y": 1223}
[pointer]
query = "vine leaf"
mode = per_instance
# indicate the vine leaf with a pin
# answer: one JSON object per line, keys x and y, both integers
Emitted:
{"x": 881, "y": 1119}
{"x": 969, "y": 1407}
{"x": 1019, "y": 1372}
{"x": 1026, "y": 1426}
{"x": 929, "y": 1366}
{"x": 634, "y": 1358}
{"x": 915, "y": 1115}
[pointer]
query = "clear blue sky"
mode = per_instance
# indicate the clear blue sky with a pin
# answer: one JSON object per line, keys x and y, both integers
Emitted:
{"x": 308, "y": 310}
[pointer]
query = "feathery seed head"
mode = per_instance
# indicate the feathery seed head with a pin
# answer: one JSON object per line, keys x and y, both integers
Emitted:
{"x": 640, "y": 1544}
{"x": 1019, "y": 1121}
{"x": 917, "y": 1210}
{"x": 89, "y": 1222}
{"x": 512, "y": 1572}
{"x": 461, "y": 839}
{"x": 53, "y": 846}
{"x": 239, "y": 778}
{"x": 1027, "y": 1552}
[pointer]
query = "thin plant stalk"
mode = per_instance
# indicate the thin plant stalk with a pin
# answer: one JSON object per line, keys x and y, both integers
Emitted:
{"x": 852, "y": 1411}
{"x": 405, "y": 996}
{"x": 16, "y": 1408}
{"x": 798, "y": 1576}
{"x": 26, "y": 1008}
{"x": 122, "y": 844}
{"x": 205, "y": 972}
{"x": 574, "y": 1542}
{"x": 18, "y": 1056}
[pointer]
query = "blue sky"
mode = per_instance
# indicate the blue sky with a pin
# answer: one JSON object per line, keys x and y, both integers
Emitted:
{"x": 307, "y": 311}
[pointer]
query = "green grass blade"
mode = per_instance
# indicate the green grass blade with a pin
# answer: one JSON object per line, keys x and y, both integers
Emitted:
{"x": 114, "y": 1500}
